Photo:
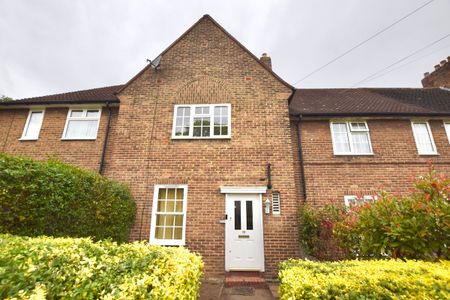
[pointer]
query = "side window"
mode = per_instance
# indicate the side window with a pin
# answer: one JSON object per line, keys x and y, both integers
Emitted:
{"x": 202, "y": 121}
{"x": 169, "y": 215}
{"x": 82, "y": 124}
{"x": 353, "y": 200}
{"x": 33, "y": 125}
{"x": 447, "y": 130}
{"x": 351, "y": 138}
{"x": 424, "y": 138}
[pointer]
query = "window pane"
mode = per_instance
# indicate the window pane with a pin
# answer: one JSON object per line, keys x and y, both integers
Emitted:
{"x": 168, "y": 233}
{"x": 249, "y": 211}
{"x": 34, "y": 125}
{"x": 423, "y": 138}
{"x": 447, "y": 129}
{"x": 81, "y": 129}
{"x": 361, "y": 142}
{"x": 237, "y": 215}
{"x": 92, "y": 113}
{"x": 340, "y": 137}
{"x": 170, "y": 193}
{"x": 224, "y": 130}
{"x": 179, "y": 206}
{"x": 76, "y": 113}
{"x": 358, "y": 126}
{"x": 179, "y": 220}
{"x": 160, "y": 220}
{"x": 162, "y": 193}
{"x": 178, "y": 234}
{"x": 159, "y": 232}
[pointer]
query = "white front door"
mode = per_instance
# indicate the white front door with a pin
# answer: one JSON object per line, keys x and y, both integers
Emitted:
{"x": 244, "y": 248}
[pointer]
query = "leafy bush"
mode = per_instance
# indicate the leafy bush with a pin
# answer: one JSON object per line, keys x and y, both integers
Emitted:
{"x": 54, "y": 268}
{"x": 382, "y": 279}
{"x": 316, "y": 231}
{"x": 56, "y": 199}
{"x": 413, "y": 227}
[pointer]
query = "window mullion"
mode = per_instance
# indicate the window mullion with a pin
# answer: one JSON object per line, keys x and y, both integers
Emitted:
{"x": 191, "y": 121}
{"x": 211, "y": 120}
{"x": 350, "y": 140}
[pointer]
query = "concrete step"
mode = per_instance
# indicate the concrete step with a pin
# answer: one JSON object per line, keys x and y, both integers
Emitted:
{"x": 248, "y": 279}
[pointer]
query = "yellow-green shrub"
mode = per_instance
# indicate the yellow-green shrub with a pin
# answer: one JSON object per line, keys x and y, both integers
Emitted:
{"x": 68, "y": 268}
{"x": 56, "y": 199}
{"x": 374, "y": 279}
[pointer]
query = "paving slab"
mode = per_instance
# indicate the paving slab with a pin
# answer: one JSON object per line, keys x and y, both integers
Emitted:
{"x": 246, "y": 293}
{"x": 211, "y": 289}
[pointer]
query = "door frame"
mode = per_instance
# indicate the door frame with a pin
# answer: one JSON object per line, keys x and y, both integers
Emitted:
{"x": 256, "y": 190}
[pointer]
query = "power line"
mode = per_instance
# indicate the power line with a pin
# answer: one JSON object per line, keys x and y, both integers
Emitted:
{"x": 365, "y": 41}
{"x": 400, "y": 60}
{"x": 408, "y": 63}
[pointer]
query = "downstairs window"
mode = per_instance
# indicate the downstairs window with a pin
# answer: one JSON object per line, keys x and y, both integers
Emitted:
{"x": 169, "y": 215}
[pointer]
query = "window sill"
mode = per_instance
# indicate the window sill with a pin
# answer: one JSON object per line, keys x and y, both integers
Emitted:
{"x": 201, "y": 138}
{"x": 429, "y": 154}
{"x": 78, "y": 139}
{"x": 167, "y": 243}
{"x": 28, "y": 139}
{"x": 354, "y": 154}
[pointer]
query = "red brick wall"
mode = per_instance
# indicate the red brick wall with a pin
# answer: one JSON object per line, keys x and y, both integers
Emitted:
{"x": 439, "y": 77}
{"x": 82, "y": 153}
{"x": 392, "y": 167}
{"x": 205, "y": 66}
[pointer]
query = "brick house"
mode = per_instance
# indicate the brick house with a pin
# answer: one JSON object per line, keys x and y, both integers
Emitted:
{"x": 440, "y": 77}
{"x": 219, "y": 151}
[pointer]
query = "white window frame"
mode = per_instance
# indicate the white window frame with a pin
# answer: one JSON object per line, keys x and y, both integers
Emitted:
{"x": 84, "y": 109}
{"x": 347, "y": 198}
{"x": 447, "y": 129}
{"x": 191, "y": 121}
{"x": 164, "y": 242}
{"x": 349, "y": 136}
{"x": 27, "y": 123}
{"x": 430, "y": 134}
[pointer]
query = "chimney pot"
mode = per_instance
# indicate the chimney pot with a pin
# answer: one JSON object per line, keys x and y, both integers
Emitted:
{"x": 265, "y": 59}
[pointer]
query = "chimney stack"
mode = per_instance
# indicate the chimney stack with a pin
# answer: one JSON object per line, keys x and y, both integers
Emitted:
{"x": 265, "y": 59}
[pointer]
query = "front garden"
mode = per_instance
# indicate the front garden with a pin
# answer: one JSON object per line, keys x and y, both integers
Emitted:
{"x": 63, "y": 234}
{"x": 392, "y": 248}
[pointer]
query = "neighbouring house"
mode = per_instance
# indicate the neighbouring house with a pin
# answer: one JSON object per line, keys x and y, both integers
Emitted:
{"x": 440, "y": 77}
{"x": 219, "y": 151}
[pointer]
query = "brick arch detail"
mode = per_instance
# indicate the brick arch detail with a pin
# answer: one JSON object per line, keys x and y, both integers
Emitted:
{"x": 203, "y": 90}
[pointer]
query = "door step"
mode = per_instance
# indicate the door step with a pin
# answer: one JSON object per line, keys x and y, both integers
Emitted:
{"x": 249, "y": 279}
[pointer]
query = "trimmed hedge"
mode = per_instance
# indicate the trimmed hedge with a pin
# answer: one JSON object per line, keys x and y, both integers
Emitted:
{"x": 67, "y": 268}
{"x": 55, "y": 199}
{"x": 375, "y": 279}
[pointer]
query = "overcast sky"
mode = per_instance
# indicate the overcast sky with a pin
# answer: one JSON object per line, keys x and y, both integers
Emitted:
{"x": 52, "y": 46}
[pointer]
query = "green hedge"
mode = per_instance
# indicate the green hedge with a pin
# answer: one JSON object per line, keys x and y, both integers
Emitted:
{"x": 55, "y": 199}
{"x": 375, "y": 279}
{"x": 67, "y": 268}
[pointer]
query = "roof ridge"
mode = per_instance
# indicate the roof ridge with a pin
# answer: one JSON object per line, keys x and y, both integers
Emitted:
{"x": 71, "y": 92}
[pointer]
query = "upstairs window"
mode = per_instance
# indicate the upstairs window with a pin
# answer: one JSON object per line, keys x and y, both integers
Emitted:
{"x": 82, "y": 124}
{"x": 202, "y": 121}
{"x": 351, "y": 138}
{"x": 33, "y": 125}
{"x": 424, "y": 138}
{"x": 447, "y": 129}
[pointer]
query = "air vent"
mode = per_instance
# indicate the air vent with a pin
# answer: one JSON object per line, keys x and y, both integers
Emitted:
{"x": 276, "y": 208}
